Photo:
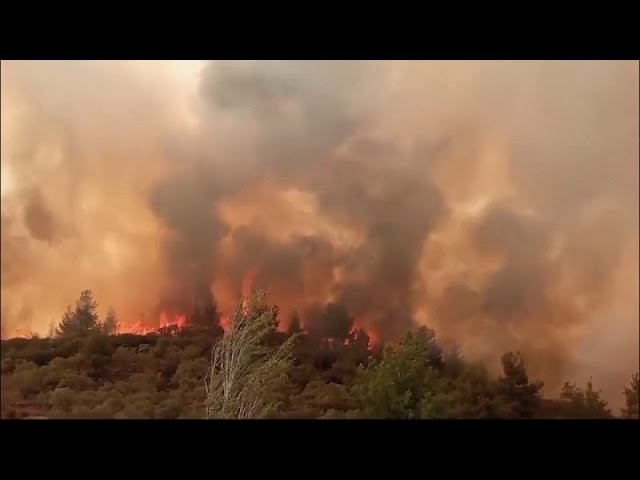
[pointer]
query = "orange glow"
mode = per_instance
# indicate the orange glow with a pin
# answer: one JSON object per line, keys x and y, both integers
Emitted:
{"x": 247, "y": 281}
{"x": 247, "y": 284}
{"x": 374, "y": 337}
{"x": 225, "y": 322}
{"x": 166, "y": 320}
{"x": 178, "y": 321}
{"x": 24, "y": 333}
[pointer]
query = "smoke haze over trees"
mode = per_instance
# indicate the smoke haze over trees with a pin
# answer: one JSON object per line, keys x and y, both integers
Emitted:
{"x": 253, "y": 370}
{"x": 495, "y": 202}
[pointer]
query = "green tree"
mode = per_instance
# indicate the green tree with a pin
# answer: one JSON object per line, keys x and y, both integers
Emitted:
{"x": 82, "y": 320}
{"x": 514, "y": 387}
{"x": 395, "y": 386}
{"x": 577, "y": 403}
{"x": 631, "y": 398}
{"x": 110, "y": 323}
{"x": 318, "y": 398}
{"x": 97, "y": 351}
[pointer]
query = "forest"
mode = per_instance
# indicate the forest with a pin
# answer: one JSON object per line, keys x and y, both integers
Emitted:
{"x": 250, "y": 369}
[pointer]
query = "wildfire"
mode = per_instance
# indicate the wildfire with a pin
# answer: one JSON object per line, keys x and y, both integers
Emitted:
{"x": 168, "y": 320}
{"x": 247, "y": 284}
{"x": 374, "y": 338}
{"x": 24, "y": 333}
{"x": 165, "y": 320}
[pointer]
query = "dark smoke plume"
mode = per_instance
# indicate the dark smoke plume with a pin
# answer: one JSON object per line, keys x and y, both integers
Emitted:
{"x": 494, "y": 201}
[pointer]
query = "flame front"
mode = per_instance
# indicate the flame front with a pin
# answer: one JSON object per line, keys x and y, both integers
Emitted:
{"x": 168, "y": 320}
{"x": 165, "y": 320}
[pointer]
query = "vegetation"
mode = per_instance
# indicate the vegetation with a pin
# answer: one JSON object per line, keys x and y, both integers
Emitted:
{"x": 245, "y": 369}
{"x": 82, "y": 320}
{"x": 254, "y": 370}
{"x": 631, "y": 398}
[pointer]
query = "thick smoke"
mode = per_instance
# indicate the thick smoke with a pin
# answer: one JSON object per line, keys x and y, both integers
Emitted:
{"x": 494, "y": 201}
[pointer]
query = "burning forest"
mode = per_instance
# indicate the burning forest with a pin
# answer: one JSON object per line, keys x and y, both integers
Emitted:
{"x": 493, "y": 202}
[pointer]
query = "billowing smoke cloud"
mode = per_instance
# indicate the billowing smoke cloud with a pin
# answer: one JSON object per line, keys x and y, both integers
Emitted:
{"x": 494, "y": 201}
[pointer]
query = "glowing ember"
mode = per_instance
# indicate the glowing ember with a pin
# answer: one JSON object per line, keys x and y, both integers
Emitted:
{"x": 225, "y": 322}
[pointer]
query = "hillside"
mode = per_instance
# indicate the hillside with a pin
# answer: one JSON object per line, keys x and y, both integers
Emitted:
{"x": 161, "y": 375}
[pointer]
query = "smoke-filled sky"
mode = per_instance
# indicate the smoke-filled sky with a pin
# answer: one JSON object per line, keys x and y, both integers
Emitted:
{"x": 495, "y": 201}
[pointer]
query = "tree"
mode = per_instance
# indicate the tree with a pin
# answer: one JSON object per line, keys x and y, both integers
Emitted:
{"x": 594, "y": 402}
{"x": 294, "y": 325}
{"x": 318, "y": 398}
{"x": 245, "y": 372}
{"x": 578, "y": 403}
{"x": 514, "y": 387}
{"x": 395, "y": 387}
{"x": 110, "y": 323}
{"x": 97, "y": 353}
{"x": 205, "y": 314}
{"x": 332, "y": 322}
{"x": 469, "y": 394}
{"x": 631, "y": 398}
{"x": 82, "y": 320}
{"x": 453, "y": 362}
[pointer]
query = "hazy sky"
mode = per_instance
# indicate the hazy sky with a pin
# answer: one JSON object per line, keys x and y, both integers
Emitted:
{"x": 495, "y": 201}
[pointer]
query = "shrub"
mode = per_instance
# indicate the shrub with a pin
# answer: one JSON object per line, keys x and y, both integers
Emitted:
{"x": 62, "y": 398}
{"x": 77, "y": 382}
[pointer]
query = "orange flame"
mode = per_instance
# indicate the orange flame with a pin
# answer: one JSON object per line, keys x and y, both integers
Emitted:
{"x": 24, "y": 333}
{"x": 225, "y": 322}
{"x": 374, "y": 338}
{"x": 165, "y": 320}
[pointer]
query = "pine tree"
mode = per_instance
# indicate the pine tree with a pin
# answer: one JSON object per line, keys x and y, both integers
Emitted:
{"x": 578, "y": 403}
{"x": 631, "y": 398}
{"x": 516, "y": 390}
{"x": 82, "y": 320}
{"x": 110, "y": 323}
{"x": 205, "y": 314}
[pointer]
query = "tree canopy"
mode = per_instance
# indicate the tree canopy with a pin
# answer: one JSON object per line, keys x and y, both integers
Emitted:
{"x": 244, "y": 369}
{"x": 82, "y": 320}
{"x": 631, "y": 398}
{"x": 255, "y": 369}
